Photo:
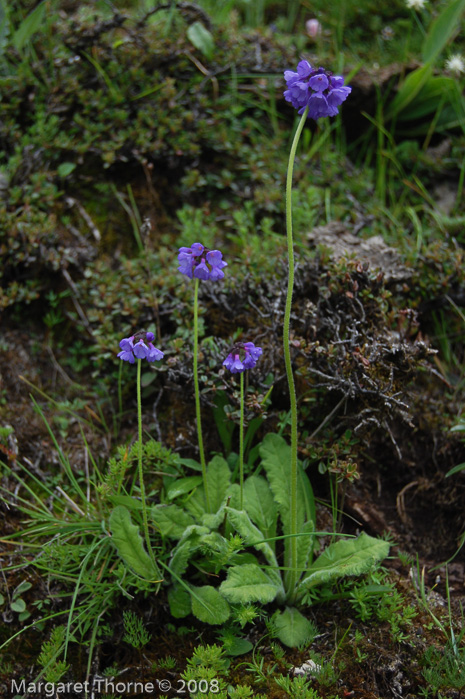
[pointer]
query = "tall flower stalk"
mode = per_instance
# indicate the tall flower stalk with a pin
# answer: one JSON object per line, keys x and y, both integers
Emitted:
{"x": 198, "y": 413}
{"x": 236, "y": 365}
{"x": 314, "y": 93}
{"x": 292, "y": 564}
{"x": 139, "y": 461}
{"x": 135, "y": 349}
{"x": 198, "y": 262}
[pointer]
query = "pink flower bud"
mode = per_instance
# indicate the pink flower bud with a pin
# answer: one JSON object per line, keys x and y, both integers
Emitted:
{"x": 313, "y": 28}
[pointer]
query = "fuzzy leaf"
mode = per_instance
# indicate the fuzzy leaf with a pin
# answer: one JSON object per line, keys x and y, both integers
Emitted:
{"x": 251, "y": 534}
{"x": 292, "y": 628}
{"x": 179, "y": 600}
{"x": 128, "y": 542}
{"x": 259, "y": 503}
{"x": 276, "y": 459}
{"x": 346, "y": 557}
{"x": 127, "y": 500}
{"x": 190, "y": 542}
{"x": 218, "y": 480}
{"x": 208, "y": 605}
{"x": 305, "y": 545}
{"x": 248, "y": 583}
{"x": 171, "y": 520}
{"x": 181, "y": 486}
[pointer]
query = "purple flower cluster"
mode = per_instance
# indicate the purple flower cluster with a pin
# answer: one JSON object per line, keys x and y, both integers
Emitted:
{"x": 233, "y": 361}
{"x": 198, "y": 261}
{"x": 318, "y": 89}
{"x": 139, "y": 346}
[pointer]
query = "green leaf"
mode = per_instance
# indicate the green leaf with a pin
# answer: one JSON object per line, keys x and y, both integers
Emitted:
{"x": 436, "y": 90}
{"x": 171, "y": 520}
{"x": 225, "y": 427}
{"x": 181, "y": 486}
{"x": 189, "y": 544}
{"x": 2, "y": 599}
{"x": 18, "y": 605}
{"x": 191, "y": 463}
{"x": 218, "y": 481}
{"x": 307, "y": 494}
{"x": 409, "y": 90}
{"x": 259, "y": 504}
{"x": 305, "y": 545}
{"x": 346, "y": 557}
{"x": 202, "y": 39}
{"x": 442, "y": 29}
{"x": 179, "y": 600}
{"x": 292, "y": 628}
{"x": 128, "y": 542}
{"x": 29, "y": 26}
{"x": 237, "y": 646}
{"x": 147, "y": 378}
{"x": 455, "y": 469}
{"x": 23, "y": 586}
{"x": 248, "y": 583}
{"x": 129, "y": 502}
{"x": 251, "y": 534}
{"x": 65, "y": 169}
{"x": 208, "y": 605}
{"x": 276, "y": 460}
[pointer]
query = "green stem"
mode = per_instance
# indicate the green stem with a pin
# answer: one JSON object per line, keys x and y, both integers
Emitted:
{"x": 139, "y": 451}
{"x": 292, "y": 564}
{"x": 241, "y": 443}
{"x": 197, "y": 393}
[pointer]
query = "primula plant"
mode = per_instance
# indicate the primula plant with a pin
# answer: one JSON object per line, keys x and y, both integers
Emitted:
{"x": 315, "y": 94}
{"x": 235, "y": 365}
{"x": 216, "y": 522}
{"x": 247, "y": 538}
{"x": 135, "y": 349}
{"x": 197, "y": 262}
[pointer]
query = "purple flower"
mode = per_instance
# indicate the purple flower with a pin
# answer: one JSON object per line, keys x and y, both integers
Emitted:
{"x": 197, "y": 261}
{"x": 315, "y": 88}
{"x": 233, "y": 361}
{"x": 139, "y": 346}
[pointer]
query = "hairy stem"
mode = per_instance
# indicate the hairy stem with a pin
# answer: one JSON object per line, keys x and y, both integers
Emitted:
{"x": 291, "y": 577}
{"x": 139, "y": 451}
{"x": 197, "y": 393}
{"x": 241, "y": 443}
